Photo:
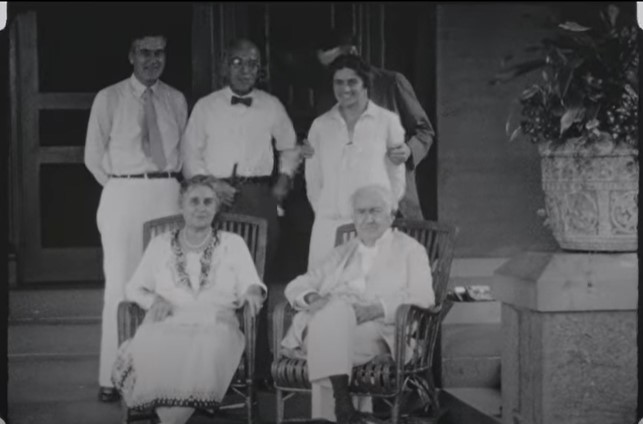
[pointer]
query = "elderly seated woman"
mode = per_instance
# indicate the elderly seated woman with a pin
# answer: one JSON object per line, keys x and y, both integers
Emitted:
{"x": 190, "y": 281}
{"x": 347, "y": 304}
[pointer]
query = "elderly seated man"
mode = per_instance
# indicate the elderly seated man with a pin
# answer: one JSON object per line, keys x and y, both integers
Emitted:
{"x": 346, "y": 305}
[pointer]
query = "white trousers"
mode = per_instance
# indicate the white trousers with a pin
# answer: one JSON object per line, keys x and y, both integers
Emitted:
{"x": 126, "y": 204}
{"x": 322, "y": 239}
{"x": 335, "y": 344}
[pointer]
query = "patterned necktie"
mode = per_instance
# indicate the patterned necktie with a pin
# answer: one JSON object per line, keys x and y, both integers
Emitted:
{"x": 151, "y": 137}
{"x": 243, "y": 100}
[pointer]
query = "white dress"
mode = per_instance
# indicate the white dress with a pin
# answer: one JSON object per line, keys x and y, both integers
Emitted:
{"x": 342, "y": 164}
{"x": 189, "y": 358}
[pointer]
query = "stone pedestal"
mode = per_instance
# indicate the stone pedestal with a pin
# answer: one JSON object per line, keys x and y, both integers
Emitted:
{"x": 569, "y": 338}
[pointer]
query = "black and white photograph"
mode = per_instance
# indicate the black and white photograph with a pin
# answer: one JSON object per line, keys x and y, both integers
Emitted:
{"x": 321, "y": 212}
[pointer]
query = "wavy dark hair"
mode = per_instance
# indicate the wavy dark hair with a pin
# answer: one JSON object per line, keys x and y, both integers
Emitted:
{"x": 354, "y": 62}
{"x": 203, "y": 181}
{"x": 146, "y": 30}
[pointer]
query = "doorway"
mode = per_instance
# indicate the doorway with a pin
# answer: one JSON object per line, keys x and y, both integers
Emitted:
{"x": 61, "y": 55}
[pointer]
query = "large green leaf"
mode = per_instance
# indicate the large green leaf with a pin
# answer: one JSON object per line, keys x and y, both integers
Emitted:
{"x": 573, "y": 26}
{"x": 530, "y": 92}
{"x": 571, "y": 116}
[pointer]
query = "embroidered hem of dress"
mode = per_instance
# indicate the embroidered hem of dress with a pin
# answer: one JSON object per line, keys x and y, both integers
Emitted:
{"x": 178, "y": 401}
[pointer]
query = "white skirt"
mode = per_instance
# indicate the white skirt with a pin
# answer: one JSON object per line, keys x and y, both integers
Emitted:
{"x": 173, "y": 363}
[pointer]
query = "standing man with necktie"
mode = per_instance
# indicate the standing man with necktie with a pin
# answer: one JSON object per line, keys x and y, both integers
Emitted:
{"x": 229, "y": 135}
{"x": 132, "y": 149}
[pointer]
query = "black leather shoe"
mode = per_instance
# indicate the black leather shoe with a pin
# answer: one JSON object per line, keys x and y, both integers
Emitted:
{"x": 108, "y": 394}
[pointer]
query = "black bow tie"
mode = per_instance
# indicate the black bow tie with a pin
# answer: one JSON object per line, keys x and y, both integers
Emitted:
{"x": 243, "y": 100}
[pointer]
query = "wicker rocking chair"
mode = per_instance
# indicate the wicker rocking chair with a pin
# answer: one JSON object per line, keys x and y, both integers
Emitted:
{"x": 130, "y": 315}
{"x": 386, "y": 380}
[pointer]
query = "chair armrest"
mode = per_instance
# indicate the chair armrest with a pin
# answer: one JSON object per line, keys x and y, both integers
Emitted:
{"x": 249, "y": 329}
{"x": 281, "y": 320}
{"x": 417, "y": 329}
{"x": 130, "y": 317}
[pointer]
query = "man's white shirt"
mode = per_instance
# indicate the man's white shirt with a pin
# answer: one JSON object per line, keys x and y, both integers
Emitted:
{"x": 220, "y": 135}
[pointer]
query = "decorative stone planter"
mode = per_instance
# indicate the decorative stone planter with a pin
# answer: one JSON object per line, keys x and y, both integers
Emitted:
{"x": 592, "y": 198}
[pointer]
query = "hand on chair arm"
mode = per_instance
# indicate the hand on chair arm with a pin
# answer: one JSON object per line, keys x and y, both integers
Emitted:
{"x": 254, "y": 297}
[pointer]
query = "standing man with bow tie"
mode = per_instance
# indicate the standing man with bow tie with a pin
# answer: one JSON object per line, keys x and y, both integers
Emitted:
{"x": 229, "y": 135}
{"x": 132, "y": 149}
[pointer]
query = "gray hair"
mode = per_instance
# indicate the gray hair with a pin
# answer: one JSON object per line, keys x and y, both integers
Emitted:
{"x": 196, "y": 181}
{"x": 377, "y": 190}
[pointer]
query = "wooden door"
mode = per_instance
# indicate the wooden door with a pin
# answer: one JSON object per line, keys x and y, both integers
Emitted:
{"x": 55, "y": 195}
{"x": 61, "y": 55}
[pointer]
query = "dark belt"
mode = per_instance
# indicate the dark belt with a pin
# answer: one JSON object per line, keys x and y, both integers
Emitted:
{"x": 150, "y": 175}
{"x": 237, "y": 181}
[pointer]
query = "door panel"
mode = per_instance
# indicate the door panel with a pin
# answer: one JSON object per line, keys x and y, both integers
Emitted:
{"x": 52, "y": 208}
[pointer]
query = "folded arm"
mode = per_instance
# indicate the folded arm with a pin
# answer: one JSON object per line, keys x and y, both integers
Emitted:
{"x": 301, "y": 292}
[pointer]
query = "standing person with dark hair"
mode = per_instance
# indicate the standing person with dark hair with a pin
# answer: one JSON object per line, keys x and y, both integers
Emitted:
{"x": 132, "y": 149}
{"x": 390, "y": 90}
{"x": 351, "y": 143}
{"x": 229, "y": 135}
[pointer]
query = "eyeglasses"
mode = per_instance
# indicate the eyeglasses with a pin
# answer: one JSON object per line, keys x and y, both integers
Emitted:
{"x": 239, "y": 63}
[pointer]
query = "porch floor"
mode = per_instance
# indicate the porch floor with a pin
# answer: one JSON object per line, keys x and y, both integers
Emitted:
{"x": 53, "y": 343}
{"x": 54, "y": 338}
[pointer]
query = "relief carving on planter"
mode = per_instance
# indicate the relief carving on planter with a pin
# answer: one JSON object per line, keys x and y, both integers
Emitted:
{"x": 592, "y": 202}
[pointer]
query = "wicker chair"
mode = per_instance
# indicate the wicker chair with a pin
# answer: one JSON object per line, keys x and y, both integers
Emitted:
{"x": 386, "y": 380}
{"x": 130, "y": 315}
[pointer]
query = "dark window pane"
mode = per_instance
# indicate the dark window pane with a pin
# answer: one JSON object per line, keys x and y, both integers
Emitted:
{"x": 295, "y": 71}
{"x": 69, "y": 198}
{"x": 63, "y": 127}
{"x": 84, "y": 47}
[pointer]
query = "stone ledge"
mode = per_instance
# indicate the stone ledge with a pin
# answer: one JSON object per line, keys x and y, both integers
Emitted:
{"x": 549, "y": 282}
{"x": 471, "y": 406}
{"x": 475, "y": 267}
{"x": 476, "y": 371}
{"x": 482, "y": 312}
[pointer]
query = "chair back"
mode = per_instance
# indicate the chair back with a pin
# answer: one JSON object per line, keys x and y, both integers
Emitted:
{"x": 252, "y": 229}
{"x": 437, "y": 237}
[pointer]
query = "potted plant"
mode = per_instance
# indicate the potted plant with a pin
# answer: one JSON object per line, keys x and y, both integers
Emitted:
{"x": 582, "y": 114}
